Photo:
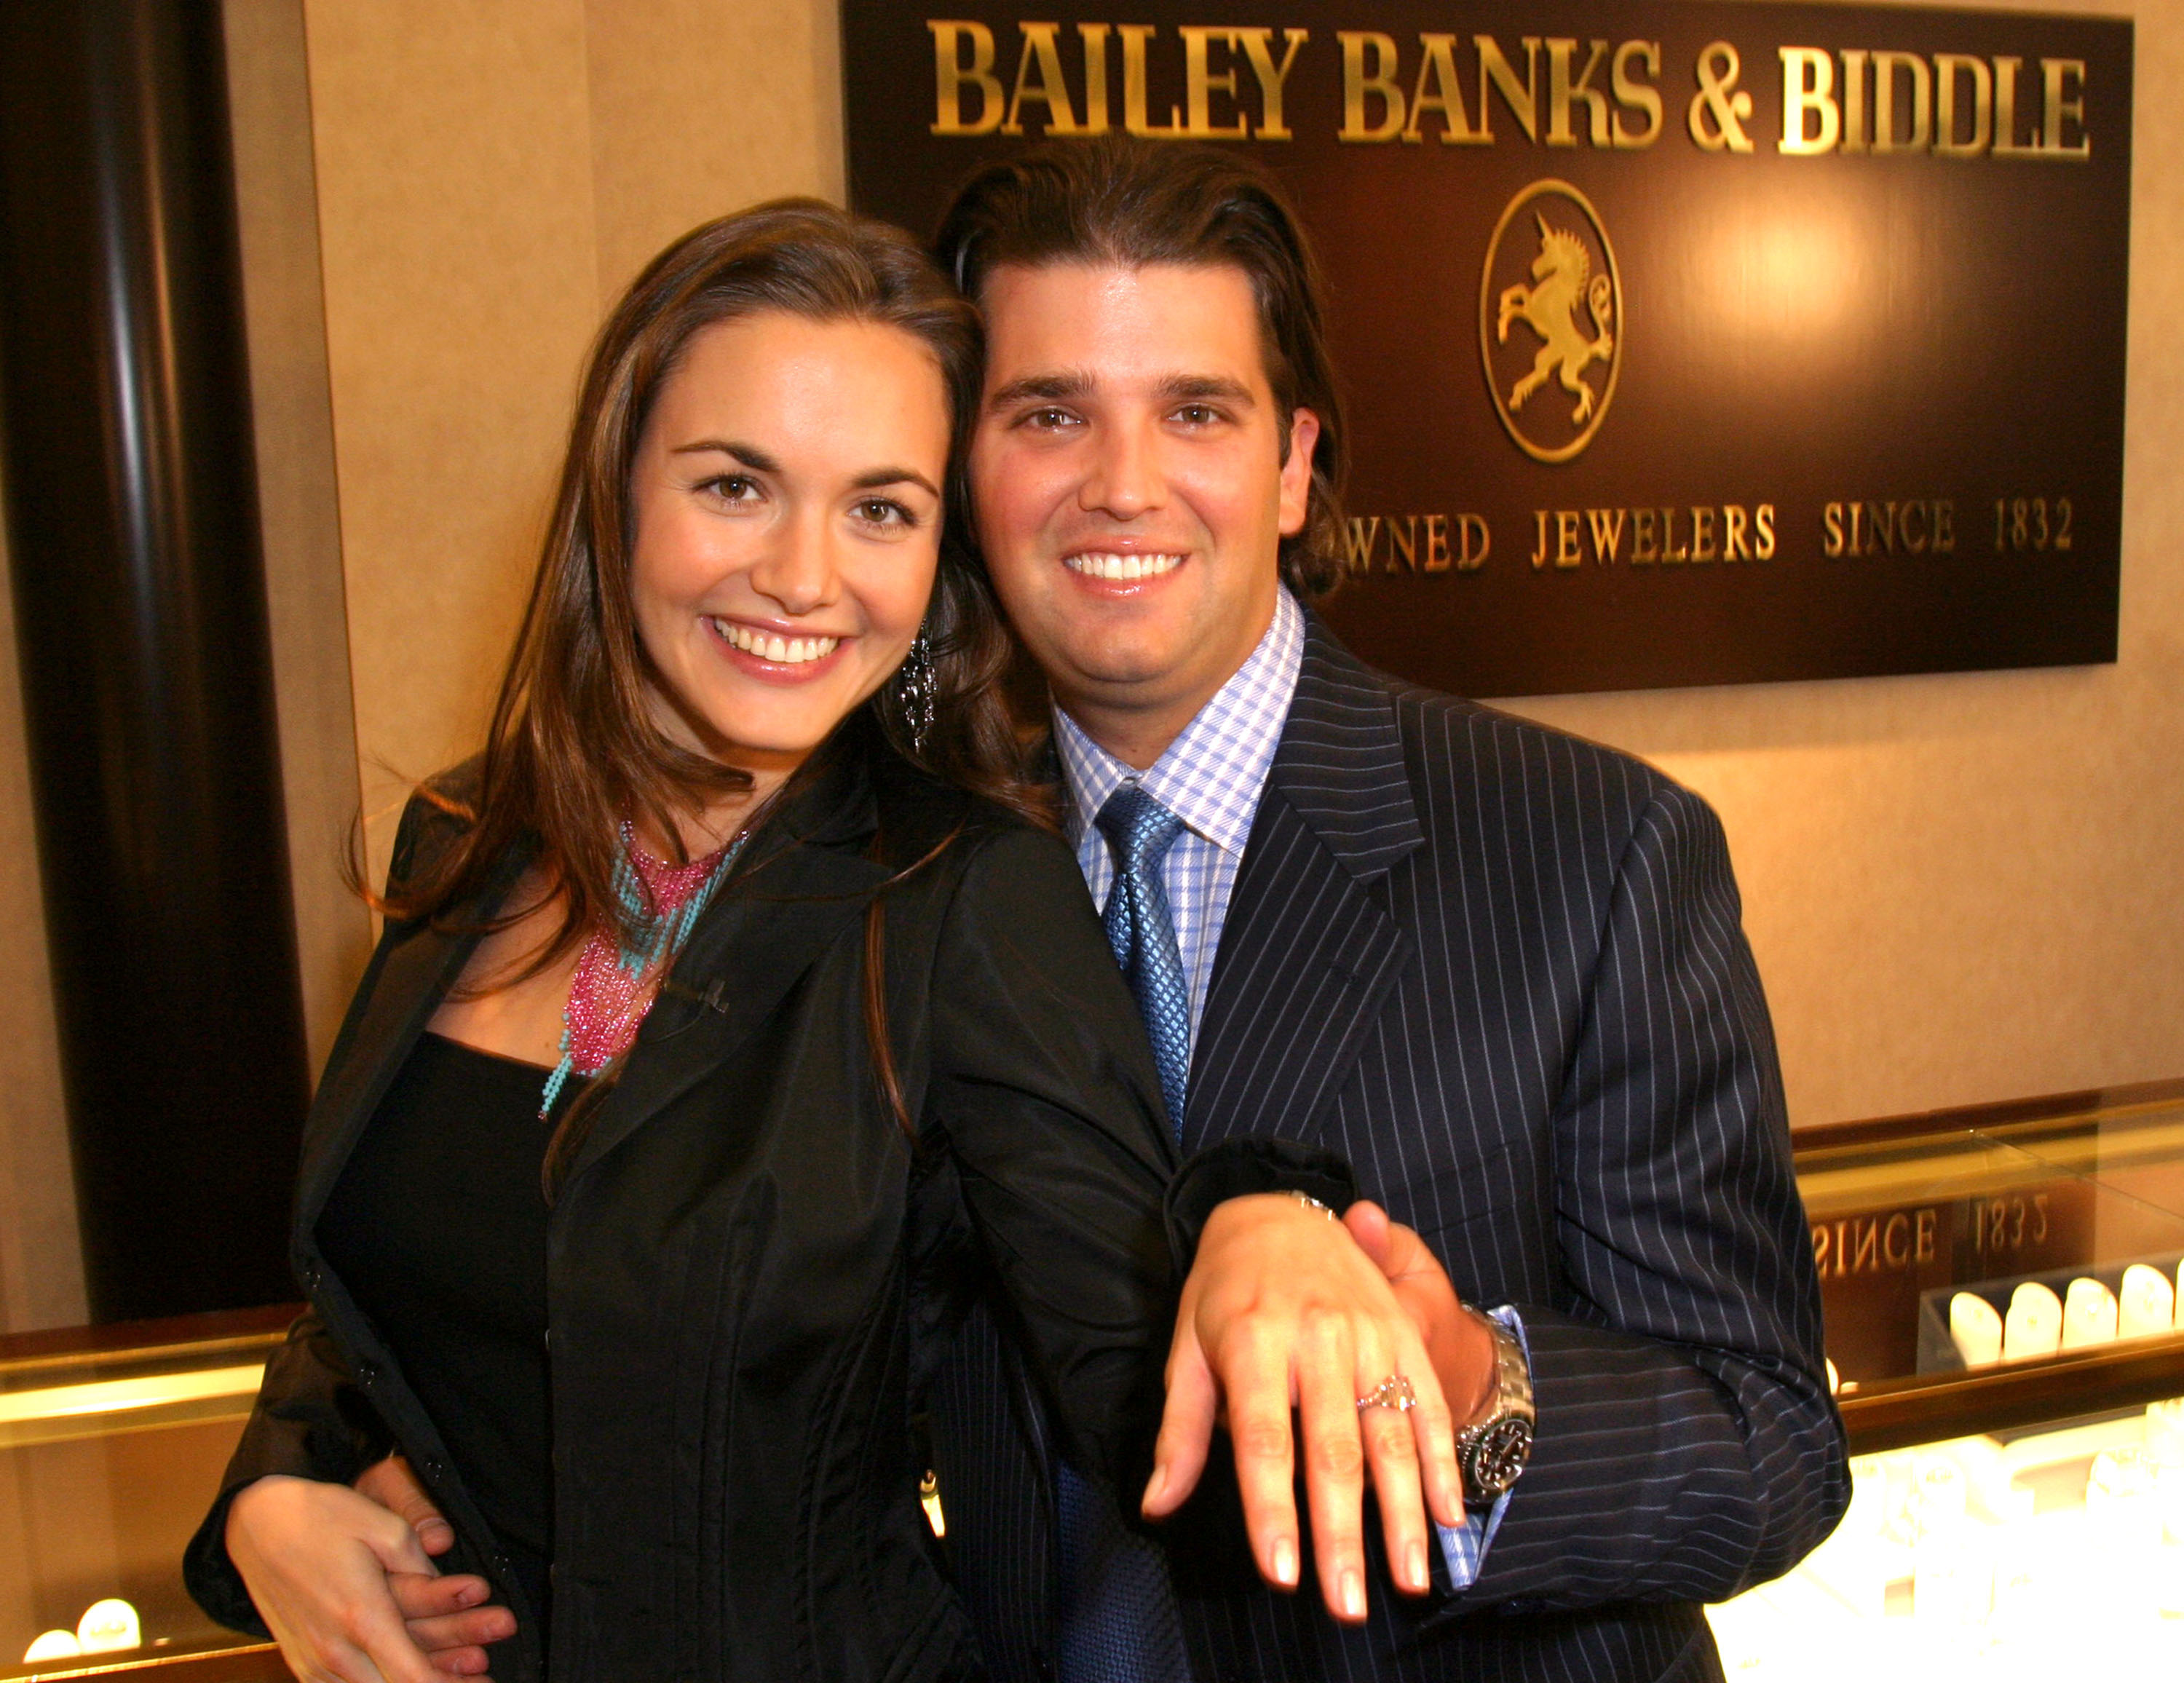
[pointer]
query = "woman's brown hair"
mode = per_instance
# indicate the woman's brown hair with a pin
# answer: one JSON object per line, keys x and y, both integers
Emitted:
{"x": 572, "y": 750}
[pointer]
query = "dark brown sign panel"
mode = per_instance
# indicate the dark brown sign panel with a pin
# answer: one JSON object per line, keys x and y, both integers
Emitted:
{"x": 1684, "y": 343}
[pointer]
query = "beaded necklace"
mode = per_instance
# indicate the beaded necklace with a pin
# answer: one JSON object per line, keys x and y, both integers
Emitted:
{"x": 615, "y": 984}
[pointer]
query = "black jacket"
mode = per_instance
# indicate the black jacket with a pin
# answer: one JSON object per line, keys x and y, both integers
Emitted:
{"x": 1501, "y": 972}
{"x": 745, "y": 1255}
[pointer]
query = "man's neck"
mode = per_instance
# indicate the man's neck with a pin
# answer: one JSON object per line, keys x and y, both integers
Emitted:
{"x": 1136, "y": 736}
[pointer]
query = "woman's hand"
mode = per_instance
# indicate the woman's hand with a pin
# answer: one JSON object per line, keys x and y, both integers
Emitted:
{"x": 348, "y": 1590}
{"x": 1283, "y": 1310}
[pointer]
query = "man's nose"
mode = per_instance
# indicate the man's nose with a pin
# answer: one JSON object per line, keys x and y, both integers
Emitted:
{"x": 801, "y": 570}
{"x": 1125, "y": 478}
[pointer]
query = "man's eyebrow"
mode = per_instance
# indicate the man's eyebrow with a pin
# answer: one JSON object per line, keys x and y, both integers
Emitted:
{"x": 1058, "y": 386}
{"x": 1188, "y": 388}
{"x": 749, "y": 454}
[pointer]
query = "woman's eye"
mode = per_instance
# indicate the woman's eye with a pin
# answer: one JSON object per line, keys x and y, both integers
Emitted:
{"x": 731, "y": 488}
{"x": 884, "y": 511}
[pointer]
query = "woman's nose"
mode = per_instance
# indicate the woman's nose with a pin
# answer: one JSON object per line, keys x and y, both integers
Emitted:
{"x": 801, "y": 570}
{"x": 1125, "y": 478}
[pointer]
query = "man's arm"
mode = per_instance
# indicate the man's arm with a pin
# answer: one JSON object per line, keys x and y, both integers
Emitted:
{"x": 1686, "y": 1446}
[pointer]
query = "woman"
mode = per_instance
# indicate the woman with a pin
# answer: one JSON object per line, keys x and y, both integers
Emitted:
{"x": 747, "y": 786}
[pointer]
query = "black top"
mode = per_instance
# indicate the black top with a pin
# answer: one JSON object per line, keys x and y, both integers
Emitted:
{"x": 438, "y": 1224}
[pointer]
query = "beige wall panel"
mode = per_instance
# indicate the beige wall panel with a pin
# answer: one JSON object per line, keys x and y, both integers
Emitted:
{"x": 1971, "y": 887}
{"x": 300, "y": 514}
{"x": 700, "y": 107}
{"x": 455, "y": 179}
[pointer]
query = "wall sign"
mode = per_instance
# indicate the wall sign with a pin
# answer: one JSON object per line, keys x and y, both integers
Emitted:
{"x": 1684, "y": 343}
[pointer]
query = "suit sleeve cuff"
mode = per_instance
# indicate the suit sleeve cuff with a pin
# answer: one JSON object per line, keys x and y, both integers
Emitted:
{"x": 1235, "y": 1168}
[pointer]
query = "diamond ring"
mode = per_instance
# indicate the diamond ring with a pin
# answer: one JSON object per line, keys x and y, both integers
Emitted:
{"x": 1393, "y": 1392}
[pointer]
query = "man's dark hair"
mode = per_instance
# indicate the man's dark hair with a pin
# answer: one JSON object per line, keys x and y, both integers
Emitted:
{"x": 1133, "y": 203}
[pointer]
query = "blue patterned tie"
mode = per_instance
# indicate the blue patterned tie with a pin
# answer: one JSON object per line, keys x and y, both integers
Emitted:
{"x": 1139, "y": 831}
{"x": 1119, "y": 1622}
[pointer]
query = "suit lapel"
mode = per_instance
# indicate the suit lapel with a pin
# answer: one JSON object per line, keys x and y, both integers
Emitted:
{"x": 1308, "y": 949}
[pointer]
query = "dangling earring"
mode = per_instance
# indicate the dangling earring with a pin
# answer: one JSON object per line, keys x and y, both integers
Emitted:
{"x": 919, "y": 690}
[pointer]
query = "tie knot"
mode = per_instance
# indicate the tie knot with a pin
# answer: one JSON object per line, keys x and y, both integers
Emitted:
{"x": 1138, "y": 827}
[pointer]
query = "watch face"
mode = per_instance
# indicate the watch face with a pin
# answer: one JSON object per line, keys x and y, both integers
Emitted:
{"x": 1498, "y": 1454}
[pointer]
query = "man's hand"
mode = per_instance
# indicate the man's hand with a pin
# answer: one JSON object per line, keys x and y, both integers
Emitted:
{"x": 346, "y": 1583}
{"x": 444, "y": 1614}
{"x": 1283, "y": 1310}
{"x": 1462, "y": 1349}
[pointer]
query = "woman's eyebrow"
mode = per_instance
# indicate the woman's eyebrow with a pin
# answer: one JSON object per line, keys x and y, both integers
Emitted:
{"x": 749, "y": 454}
{"x": 879, "y": 476}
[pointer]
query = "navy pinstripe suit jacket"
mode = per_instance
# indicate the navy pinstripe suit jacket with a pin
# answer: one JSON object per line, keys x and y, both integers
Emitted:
{"x": 1502, "y": 971}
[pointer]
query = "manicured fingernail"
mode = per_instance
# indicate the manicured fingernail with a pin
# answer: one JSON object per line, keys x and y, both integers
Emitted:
{"x": 1285, "y": 1564}
{"x": 1156, "y": 1483}
{"x": 1415, "y": 1565}
{"x": 469, "y": 1594}
{"x": 1353, "y": 1594}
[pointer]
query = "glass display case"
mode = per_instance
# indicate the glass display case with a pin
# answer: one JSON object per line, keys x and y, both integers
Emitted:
{"x": 112, "y": 1441}
{"x": 2001, "y": 1287}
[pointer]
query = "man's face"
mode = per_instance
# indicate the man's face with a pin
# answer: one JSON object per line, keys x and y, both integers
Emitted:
{"x": 1130, "y": 482}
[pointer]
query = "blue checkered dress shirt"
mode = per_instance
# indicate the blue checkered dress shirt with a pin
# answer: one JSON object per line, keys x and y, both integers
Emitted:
{"x": 1210, "y": 777}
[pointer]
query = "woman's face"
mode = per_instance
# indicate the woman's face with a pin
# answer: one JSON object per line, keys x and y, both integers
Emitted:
{"x": 788, "y": 503}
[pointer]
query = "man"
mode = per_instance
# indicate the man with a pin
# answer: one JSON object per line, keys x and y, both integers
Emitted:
{"x": 1499, "y": 969}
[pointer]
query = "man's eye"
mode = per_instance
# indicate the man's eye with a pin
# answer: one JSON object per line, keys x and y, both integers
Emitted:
{"x": 1049, "y": 420}
{"x": 1198, "y": 415}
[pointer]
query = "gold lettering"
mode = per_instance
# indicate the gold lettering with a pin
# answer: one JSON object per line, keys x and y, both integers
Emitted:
{"x": 1135, "y": 120}
{"x": 1095, "y": 37}
{"x": 1832, "y": 517}
{"x": 1359, "y": 84}
{"x": 1763, "y": 521}
{"x": 1702, "y": 547}
{"x": 1437, "y": 558}
{"x": 1201, "y": 84}
{"x": 2059, "y": 109}
{"x": 1633, "y": 95}
{"x": 1884, "y": 66}
{"x": 1945, "y": 526}
{"x": 1922, "y": 1249}
{"x": 1357, "y": 544}
{"x": 2006, "y": 143}
{"x": 1916, "y": 546}
{"x": 1853, "y": 99}
{"x": 1540, "y": 548}
{"x": 1809, "y": 80}
{"x": 1949, "y": 69}
{"x": 1273, "y": 78}
{"x": 1671, "y": 551}
{"x": 1469, "y": 559}
{"x": 951, "y": 75}
{"x": 1405, "y": 539}
{"x": 1645, "y": 539}
{"x": 1858, "y": 544}
{"x": 1052, "y": 90}
{"x": 1494, "y": 68}
{"x": 1561, "y": 91}
{"x": 1820, "y": 1250}
{"x": 1733, "y": 546}
{"x": 1568, "y": 554}
{"x": 1880, "y": 517}
{"x": 1842, "y": 1249}
{"x": 1865, "y": 1256}
{"x": 1438, "y": 64}
{"x": 1896, "y": 1257}
{"x": 1607, "y": 531}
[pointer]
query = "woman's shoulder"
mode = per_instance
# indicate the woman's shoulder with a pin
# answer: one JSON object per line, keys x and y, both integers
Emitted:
{"x": 924, "y": 819}
{"x": 439, "y": 811}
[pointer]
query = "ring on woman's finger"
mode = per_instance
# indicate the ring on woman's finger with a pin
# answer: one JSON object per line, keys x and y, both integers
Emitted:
{"x": 1393, "y": 1392}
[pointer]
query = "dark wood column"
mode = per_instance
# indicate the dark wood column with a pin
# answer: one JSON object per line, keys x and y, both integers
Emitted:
{"x": 140, "y": 602}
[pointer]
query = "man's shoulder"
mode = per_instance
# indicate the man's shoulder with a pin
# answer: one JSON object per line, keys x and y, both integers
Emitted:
{"x": 1464, "y": 760}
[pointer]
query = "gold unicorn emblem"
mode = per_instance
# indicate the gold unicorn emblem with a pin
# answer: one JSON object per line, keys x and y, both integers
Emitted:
{"x": 1562, "y": 277}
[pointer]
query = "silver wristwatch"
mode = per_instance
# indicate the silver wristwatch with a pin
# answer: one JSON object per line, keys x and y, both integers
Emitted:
{"x": 1492, "y": 1448}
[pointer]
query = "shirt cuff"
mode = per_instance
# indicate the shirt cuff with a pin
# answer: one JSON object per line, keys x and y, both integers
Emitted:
{"x": 1463, "y": 1547}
